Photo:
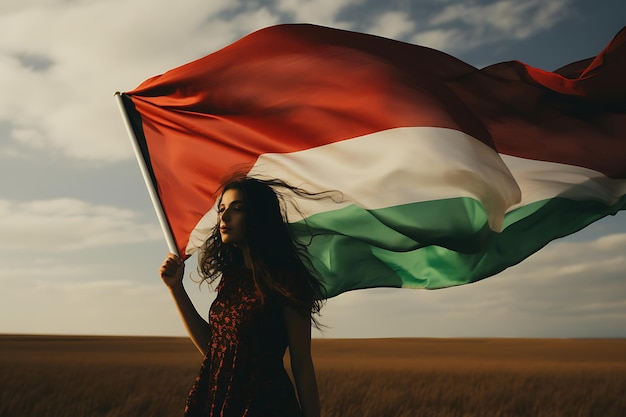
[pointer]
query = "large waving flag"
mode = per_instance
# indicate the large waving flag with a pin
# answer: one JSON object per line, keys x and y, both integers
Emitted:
{"x": 447, "y": 174}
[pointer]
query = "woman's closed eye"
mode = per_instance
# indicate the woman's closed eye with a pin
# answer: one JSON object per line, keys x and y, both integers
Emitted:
{"x": 235, "y": 207}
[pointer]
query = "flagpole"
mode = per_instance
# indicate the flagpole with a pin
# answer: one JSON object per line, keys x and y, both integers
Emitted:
{"x": 156, "y": 202}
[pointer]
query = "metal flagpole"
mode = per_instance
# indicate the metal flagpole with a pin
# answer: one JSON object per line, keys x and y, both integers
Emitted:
{"x": 156, "y": 202}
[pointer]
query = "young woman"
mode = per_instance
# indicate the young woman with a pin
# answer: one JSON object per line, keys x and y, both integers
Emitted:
{"x": 266, "y": 301}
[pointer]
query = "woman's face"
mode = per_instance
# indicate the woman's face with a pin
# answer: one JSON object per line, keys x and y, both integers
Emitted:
{"x": 232, "y": 217}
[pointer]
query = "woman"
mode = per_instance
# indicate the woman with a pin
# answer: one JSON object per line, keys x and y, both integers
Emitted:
{"x": 266, "y": 300}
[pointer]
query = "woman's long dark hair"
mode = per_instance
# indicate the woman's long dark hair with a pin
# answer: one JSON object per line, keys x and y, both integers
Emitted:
{"x": 281, "y": 264}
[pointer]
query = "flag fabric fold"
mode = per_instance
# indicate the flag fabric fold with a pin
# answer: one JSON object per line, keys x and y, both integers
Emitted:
{"x": 446, "y": 173}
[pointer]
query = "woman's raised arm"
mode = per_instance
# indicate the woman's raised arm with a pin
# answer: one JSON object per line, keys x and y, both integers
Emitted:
{"x": 172, "y": 271}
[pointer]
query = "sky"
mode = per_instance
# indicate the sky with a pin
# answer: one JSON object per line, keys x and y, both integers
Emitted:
{"x": 80, "y": 244}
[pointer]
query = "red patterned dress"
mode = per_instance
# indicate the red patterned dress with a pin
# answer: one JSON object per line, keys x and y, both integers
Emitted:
{"x": 243, "y": 373}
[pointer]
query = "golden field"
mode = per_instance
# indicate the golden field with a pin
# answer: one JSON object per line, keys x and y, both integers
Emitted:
{"x": 55, "y": 376}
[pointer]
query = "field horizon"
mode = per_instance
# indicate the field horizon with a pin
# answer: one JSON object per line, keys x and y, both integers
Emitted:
{"x": 46, "y": 375}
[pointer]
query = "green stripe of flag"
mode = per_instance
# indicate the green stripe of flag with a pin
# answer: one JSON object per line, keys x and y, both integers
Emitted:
{"x": 356, "y": 248}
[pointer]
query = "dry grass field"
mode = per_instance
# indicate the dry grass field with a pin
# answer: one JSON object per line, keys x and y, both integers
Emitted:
{"x": 50, "y": 376}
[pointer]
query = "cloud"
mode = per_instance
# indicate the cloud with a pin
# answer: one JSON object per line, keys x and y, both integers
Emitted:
{"x": 61, "y": 62}
{"x": 441, "y": 39}
{"x": 106, "y": 307}
{"x": 469, "y": 24}
{"x": 323, "y": 12}
{"x": 65, "y": 224}
{"x": 67, "y": 293}
{"x": 392, "y": 25}
{"x": 39, "y": 270}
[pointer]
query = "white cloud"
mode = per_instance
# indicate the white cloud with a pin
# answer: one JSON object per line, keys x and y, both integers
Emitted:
{"x": 392, "y": 25}
{"x": 60, "y": 64}
{"x": 469, "y": 24}
{"x": 89, "y": 307}
{"x": 38, "y": 270}
{"x": 564, "y": 259}
{"x": 321, "y": 12}
{"x": 68, "y": 224}
{"x": 518, "y": 19}
{"x": 68, "y": 294}
{"x": 440, "y": 39}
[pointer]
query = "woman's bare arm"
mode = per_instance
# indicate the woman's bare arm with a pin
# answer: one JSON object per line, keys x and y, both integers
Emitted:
{"x": 172, "y": 271}
{"x": 299, "y": 334}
